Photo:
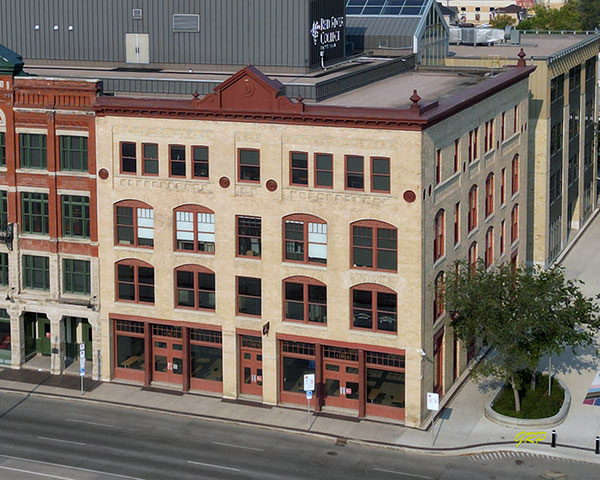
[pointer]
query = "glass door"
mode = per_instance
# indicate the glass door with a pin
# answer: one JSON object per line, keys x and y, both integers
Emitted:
{"x": 251, "y": 365}
{"x": 168, "y": 360}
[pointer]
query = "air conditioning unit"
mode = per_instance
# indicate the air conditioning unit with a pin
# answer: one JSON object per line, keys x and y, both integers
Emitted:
{"x": 137, "y": 13}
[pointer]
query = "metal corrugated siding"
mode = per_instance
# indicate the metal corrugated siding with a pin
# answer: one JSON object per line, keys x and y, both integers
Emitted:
{"x": 261, "y": 32}
{"x": 398, "y": 30}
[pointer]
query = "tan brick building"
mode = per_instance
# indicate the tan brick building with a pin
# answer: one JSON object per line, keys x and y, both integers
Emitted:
{"x": 246, "y": 239}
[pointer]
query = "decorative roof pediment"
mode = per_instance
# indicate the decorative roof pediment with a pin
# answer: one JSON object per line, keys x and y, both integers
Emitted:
{"x": 249, "y": 90}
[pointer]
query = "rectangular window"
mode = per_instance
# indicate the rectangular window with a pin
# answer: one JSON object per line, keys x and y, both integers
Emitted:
{"x": 514, "y": 221}
{"x": 489, "y": 195}
{"x": 3, "y": 209}
{"x": 33, "y": 150}
{"x": 472, "y": 209}
{"x": 557, "y": 85}
{"x": 374, "y": 310}
{"x": 439, "y": 243}
{"x": 195, "y": 290}
{"x": 438, "y": 166}
{"x": 515, "y": 175}
{"x": 380, "y": 174}
{"x": 502, "y": 236}
{"x": 128, "y": 158}
{"x": 489, "y": 247}
{"x": 4, "y": 269}
{"x": 515, "y": 118}
{"x": 75, "y": 216}
{"x": 248, "y": 236}
{"x": 2, "y": 149}
{"x": 248, "y": 165}
{"x": 249, "y": 296}
{"x": 135, "y": 283}
{"x": 456, "y": 159}
{"x": 195, "y": 231}
{"x": 502, "y": 126}
{"x": 323, "y": 170}
{"x": 35, "y": 213}
{"x": 73, "y": 153}
{"x": 200, "y": 159}
{"x": 177, "y": 160}
{"x": 470, "y": 149}
{"x": 503, "y": 187}
{"x": 36, "y": 272}
{"x": 365, "y": 238}
{"x": 150, "y": 158}
{"x": 355, "y": 173}
{"x": 456, "y": 223}
{"x": 76, "y": 276}
{"x": 305, "y": 302}
{"x": 299, "y": 168}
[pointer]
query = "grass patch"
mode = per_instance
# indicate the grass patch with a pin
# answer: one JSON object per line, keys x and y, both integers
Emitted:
{"x": 534, "y": 403}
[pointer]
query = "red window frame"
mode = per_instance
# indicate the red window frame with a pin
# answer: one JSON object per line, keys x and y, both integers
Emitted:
{"x": 470, "y": 146}
{"x": 515, "y": 175}
{"x": 438, "y": 362}
{"x": 195, "y": 270}
{"x": 502, "y": 236}
{"x": 473, "y": 255}
{"x": 322, "y": 170}
{"x": 136, "y": 265}
{"x": 173, "y": 162}
{"x": 514, "y": 224}
{"x": 238, "y": 236}
{"x": 195, "y": 209}
{"x": 199, "y": 162}
{"x": 357, "y": 173}
{"x": 134, "y": 204}
{"x": 472, "y": 220}
{"x": 240, "y": 166}
{"x": 475, "y": 149}
{"x": 380, "y": 175}
{"x": 503, "y": 126}
{"x": 439, "y": 307}
{"x": 298, "y": 169}
{"x": 489, "y": 195}
{"x": 489, "y": 247}
{"x": 122, "y": 157}
{"x": 491, "y": 138}
{"x": 439, "y": 240}
{"x": 375, "y": 226}
{"x": 456, "y": 153}
{"x": 374, "y": 290}
{"x": 457, "y": 223}
{"x": 306, "y": 283}
{"x": 305, "y": 220}
{"x": 238, "y": 295}
{"x": 515, "y": 118}
{"x": 438, "y": 166}
{"x": 144, "y": 158}
{"x": 503, "y": 187}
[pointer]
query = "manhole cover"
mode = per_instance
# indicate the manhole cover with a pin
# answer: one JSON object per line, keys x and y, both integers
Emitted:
{"x": 333, "y": 454}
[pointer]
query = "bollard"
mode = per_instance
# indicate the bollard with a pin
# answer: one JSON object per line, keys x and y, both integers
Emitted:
{"x": 597, "y": 445}
{"x": 553, "y": 444}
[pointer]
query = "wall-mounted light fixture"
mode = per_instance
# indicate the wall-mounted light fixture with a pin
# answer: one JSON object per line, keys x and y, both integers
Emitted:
{"x": 9, "y": 295}
{"x": 92, "y": 304}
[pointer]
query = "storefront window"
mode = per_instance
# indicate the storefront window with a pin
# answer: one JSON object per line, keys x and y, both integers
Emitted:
{"x": 294, "y": 370}
{"x": 385, "y": 387}
{"x": 207, "y": 363}
{"x": 4, "y": 336}
{"x": 130, "y": 352}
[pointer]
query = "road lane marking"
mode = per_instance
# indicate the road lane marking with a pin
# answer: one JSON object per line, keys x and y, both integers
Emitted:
{"x": 47, "y": 475}
{"x": 401, "y": 473}
{"x": 215, "y": 466}
{"x": 68, "y": 466}
{"x": 238, "y": 446}
{"x": 63, "y": 441}
{"x": 90, "y": 423}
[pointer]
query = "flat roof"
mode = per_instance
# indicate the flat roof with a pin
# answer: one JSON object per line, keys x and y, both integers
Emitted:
{"x": 395, "y": 92}
{"x": 536, "y": 46}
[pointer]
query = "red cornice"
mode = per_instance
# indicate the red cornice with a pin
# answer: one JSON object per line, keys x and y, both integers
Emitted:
{"x": 249, "y": 96}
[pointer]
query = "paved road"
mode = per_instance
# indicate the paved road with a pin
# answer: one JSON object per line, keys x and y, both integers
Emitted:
{"x": 44, "y": 438}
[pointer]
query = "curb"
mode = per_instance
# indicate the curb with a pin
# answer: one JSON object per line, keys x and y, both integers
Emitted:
{"x": 479, "y": 448}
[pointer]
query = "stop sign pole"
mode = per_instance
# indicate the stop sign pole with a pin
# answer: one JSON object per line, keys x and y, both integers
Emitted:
{"x": 81, "y": 363}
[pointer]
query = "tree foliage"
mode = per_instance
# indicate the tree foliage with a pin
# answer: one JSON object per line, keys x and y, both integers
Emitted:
{"x": 589, "y": 11}
{"x": 522, "y": 314}
{"x": 501, "y": 21}
{"x": 567, "y": 17}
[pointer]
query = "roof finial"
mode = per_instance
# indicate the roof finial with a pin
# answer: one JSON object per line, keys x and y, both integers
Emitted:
{"x": 195, "y": 94}
{"x": 521, "y": 55}
{"x": 414, "y": 98}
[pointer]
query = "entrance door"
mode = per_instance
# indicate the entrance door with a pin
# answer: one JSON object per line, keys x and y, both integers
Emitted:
{"x": 43, "y": 334}
{"x": 137, "y": 48}
{"x": 341, "y": 383}
{"x": 168, "y": 360}
{"x": 251, "y": 365}
{"x": 86, "y": 338}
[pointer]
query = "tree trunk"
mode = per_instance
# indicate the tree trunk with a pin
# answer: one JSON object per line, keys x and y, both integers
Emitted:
{"x": 533, "y": 379}
{"x": 515, "y": 393}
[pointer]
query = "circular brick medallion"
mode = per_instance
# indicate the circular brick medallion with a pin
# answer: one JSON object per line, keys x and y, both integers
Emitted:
{"x": 103, "y": 173}
{"x": 224, "y": 182}
{"x": 409, "y": 196}
{"x": 271, "y": 185}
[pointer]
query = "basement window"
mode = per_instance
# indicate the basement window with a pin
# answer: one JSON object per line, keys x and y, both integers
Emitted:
{"x": 186, "y": 23}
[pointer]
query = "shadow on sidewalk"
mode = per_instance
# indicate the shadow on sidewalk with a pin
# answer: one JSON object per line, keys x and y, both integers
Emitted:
{"x": 71, "y": 382}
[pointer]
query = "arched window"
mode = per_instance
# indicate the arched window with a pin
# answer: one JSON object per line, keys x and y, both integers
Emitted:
{"x": 134, "y": 224}
{"x": 489, "y": 195}
{"x": 489, "y": 247}
{"x": 473, "y": 256}
{"x": 305, "y": 239}
{"x": 305, "y": 300}
{"x": 194, "y": 287}
{"x": 472, "y": 220}
{"x": 439, "y": 240}
{"x": 135, "y": 281}
{"x": 514, "y": 224}
{"x": 374, "y": 307}
{"x": 374, "y": 245}
{"x": 515, "y": 174}
{"x": 438, "y": 297}
{"x": 194, "y": 229}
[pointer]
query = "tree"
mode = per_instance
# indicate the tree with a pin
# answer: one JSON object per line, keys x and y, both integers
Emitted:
{"x": 523, "y": 314}
{"x": 565, "y": 18}
{"x": 589, "y": 11}
{"x": 501, "y": 21}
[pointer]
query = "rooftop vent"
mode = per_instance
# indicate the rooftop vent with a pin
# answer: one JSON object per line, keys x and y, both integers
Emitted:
{"x": 186, "y": 23}
{"x": 137, "y": 13}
